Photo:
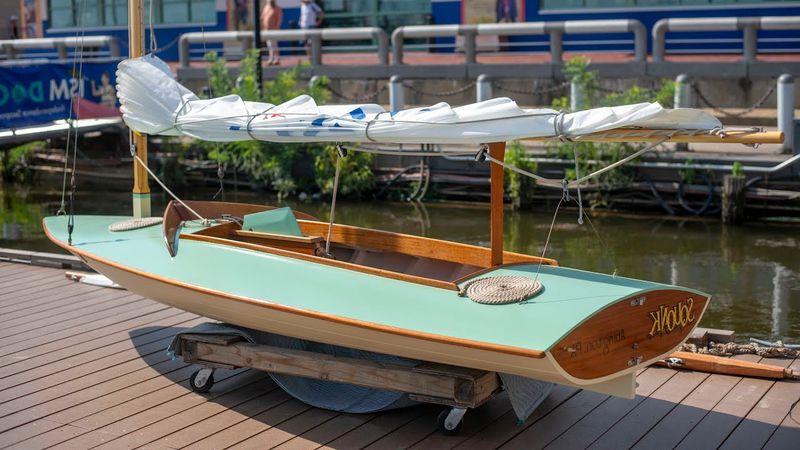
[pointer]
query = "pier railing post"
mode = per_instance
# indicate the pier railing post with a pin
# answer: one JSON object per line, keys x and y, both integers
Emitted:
{"x": 316, "y": 49}
{"x": 683, "y": 99}
{"x": 556, "y": 45}
{"x": 483, "y": 88}
{"x": 577, "y": 95}
{"x": 786, "y": 110}
{"x": 396, "y": 94}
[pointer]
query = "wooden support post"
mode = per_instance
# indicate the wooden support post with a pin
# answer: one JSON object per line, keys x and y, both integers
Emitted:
{"x": 141, "y": 189}
{"x": 497, "y": 150}
{"x": 733, "y": 199}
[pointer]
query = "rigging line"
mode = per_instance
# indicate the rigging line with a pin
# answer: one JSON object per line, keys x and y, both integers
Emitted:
{"x": 580, "y": 200}
{"x": 153, "y": 41}
{"x": 616, "y": 164}
{"x": 79, "y": 55}
{"x": 604, "y": 245}
{"x": 62, "y": 208}
{"x": 340, "y": 153}
{"x": 548, "y": 182}
{"x": 411, "y": 152}
{"x": 161, "y": 183}
{"x": 564, "y": 196}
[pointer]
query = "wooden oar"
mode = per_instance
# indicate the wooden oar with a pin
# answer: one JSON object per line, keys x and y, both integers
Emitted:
{"x": 644, "y": 135}
{"x": 726, "y": 366}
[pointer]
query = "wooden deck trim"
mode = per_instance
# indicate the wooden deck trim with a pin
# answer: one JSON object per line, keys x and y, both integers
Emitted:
{"x": 537, "y": 354}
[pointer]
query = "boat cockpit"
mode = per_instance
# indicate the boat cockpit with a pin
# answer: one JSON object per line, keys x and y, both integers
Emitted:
{"x": 284, "y": 232}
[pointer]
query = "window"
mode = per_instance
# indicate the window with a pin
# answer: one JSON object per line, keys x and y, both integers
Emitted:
{"x": 108, "y": 13}
{"x": 387, "y": 14}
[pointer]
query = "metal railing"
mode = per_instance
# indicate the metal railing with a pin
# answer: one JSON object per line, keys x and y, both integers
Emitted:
{"x": 748, "y": 25}
{"x": 315, "y": 37}
{"x": 14, "y": 48}
{"x": 555, "y": 30}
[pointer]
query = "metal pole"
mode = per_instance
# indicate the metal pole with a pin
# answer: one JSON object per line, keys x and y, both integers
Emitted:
{"x": 749, "y": 43}
{"x": 483, "y": 88}
{"x": 683, "y": 91}
{"x": 396, "y": 97}
{"x": 683, "y": 99}
{"x": 141, "y": 189}
{"x": 576, "y": 96}
{"x": 786, "y": 110}
{"x": 257, "y": 42}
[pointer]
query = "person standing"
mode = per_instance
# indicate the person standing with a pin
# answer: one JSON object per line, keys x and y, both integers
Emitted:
{"x": 311, "y": 16}
{"x": 271, "y": 17}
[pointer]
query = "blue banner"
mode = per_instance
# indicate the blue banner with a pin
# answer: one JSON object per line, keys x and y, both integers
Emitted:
{"x": 40, "y": 93}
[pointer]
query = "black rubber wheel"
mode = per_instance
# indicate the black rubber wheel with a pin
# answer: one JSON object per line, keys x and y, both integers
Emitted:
{"x": 442, "y": 429}
{"x": 205, "y": 387}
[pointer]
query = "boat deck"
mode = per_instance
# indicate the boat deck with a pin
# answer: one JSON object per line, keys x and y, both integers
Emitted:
{"x": 84, "y": 367}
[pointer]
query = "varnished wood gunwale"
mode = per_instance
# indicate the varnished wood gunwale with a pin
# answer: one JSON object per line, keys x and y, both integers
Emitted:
{"x": 326, "y": 261}
{"x": 407, "y": 244}
{"x": 449, "y": 340}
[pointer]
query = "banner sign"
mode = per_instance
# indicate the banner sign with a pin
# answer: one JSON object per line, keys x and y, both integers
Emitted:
{"x": 39, "y": 93}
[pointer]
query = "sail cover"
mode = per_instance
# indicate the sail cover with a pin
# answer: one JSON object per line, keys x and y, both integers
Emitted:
{"x": 153, "y": 102}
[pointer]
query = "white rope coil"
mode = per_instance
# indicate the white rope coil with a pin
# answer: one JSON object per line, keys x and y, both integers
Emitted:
{"x": 135, "y": 224}
{"x": 501, "y": 290}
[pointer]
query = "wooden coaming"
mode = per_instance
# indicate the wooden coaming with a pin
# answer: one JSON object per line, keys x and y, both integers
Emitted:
{"x": 629, "y": 332}
{"x": 413, "y": 245}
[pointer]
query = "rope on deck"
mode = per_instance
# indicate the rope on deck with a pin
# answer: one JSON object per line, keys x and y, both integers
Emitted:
{"x": 732, "y": 348}
{"x": 135, "y": 224}
{"x": 500, "y": 290}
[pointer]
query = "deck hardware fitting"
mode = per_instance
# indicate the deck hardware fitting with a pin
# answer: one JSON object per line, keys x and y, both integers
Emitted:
{"x": 638, "y": 301}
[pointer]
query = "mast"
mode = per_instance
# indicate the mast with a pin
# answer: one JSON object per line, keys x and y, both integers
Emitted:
{"x": 497, "y": 150}
{"x": 141, "y": 189}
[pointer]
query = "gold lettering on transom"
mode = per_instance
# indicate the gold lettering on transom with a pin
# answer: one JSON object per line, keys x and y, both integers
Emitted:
{"x": 667, "y": 319}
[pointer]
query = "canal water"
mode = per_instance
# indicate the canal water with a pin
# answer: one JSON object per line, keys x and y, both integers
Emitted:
{"x": 752, "y": 272}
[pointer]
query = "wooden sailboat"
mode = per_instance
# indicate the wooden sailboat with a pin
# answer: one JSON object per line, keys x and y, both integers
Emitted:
{"x": 291, "y": 274}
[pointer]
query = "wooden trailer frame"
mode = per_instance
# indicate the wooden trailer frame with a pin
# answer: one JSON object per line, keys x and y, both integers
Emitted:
{"x": 459, "y": 388}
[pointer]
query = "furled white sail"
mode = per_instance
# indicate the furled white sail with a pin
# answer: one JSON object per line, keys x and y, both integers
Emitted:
{"x": 153, "y": 102}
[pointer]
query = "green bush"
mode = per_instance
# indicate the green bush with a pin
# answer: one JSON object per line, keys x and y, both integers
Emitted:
{"x": 591, "y": 155}
{"x": 14, "y": 161}
{"x": 519, "y": 187}
{"x": 277, "y": 166}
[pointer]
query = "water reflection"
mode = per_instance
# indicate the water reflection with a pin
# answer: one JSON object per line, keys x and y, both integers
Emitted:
{"x": 752, "y": 272}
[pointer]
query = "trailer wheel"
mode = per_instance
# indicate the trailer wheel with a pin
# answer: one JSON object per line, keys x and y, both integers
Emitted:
{"x": 450, "y": 421}
{"x": 202, "y": 380}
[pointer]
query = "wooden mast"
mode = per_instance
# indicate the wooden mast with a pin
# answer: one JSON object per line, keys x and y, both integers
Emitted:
{"x": 141, "y": 189}
{"x": 497, "y": 150}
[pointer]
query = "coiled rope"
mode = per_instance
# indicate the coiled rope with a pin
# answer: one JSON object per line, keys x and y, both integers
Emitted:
{"x": 500, "y": 290}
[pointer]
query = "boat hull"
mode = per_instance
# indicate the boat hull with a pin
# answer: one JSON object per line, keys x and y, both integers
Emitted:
{"x": 584, "y": 329}
{"x": 250, "y": 314}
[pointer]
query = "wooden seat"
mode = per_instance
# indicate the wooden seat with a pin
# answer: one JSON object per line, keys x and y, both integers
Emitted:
{"x": 309, "y": 245}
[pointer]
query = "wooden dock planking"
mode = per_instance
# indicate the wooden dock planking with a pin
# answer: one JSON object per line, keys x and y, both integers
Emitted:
{"x": 612, "y": 410}
{"x": 85, "y": 367}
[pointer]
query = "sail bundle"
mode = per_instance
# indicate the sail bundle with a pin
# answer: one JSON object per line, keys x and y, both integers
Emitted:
{"x": 153, "y": 102}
